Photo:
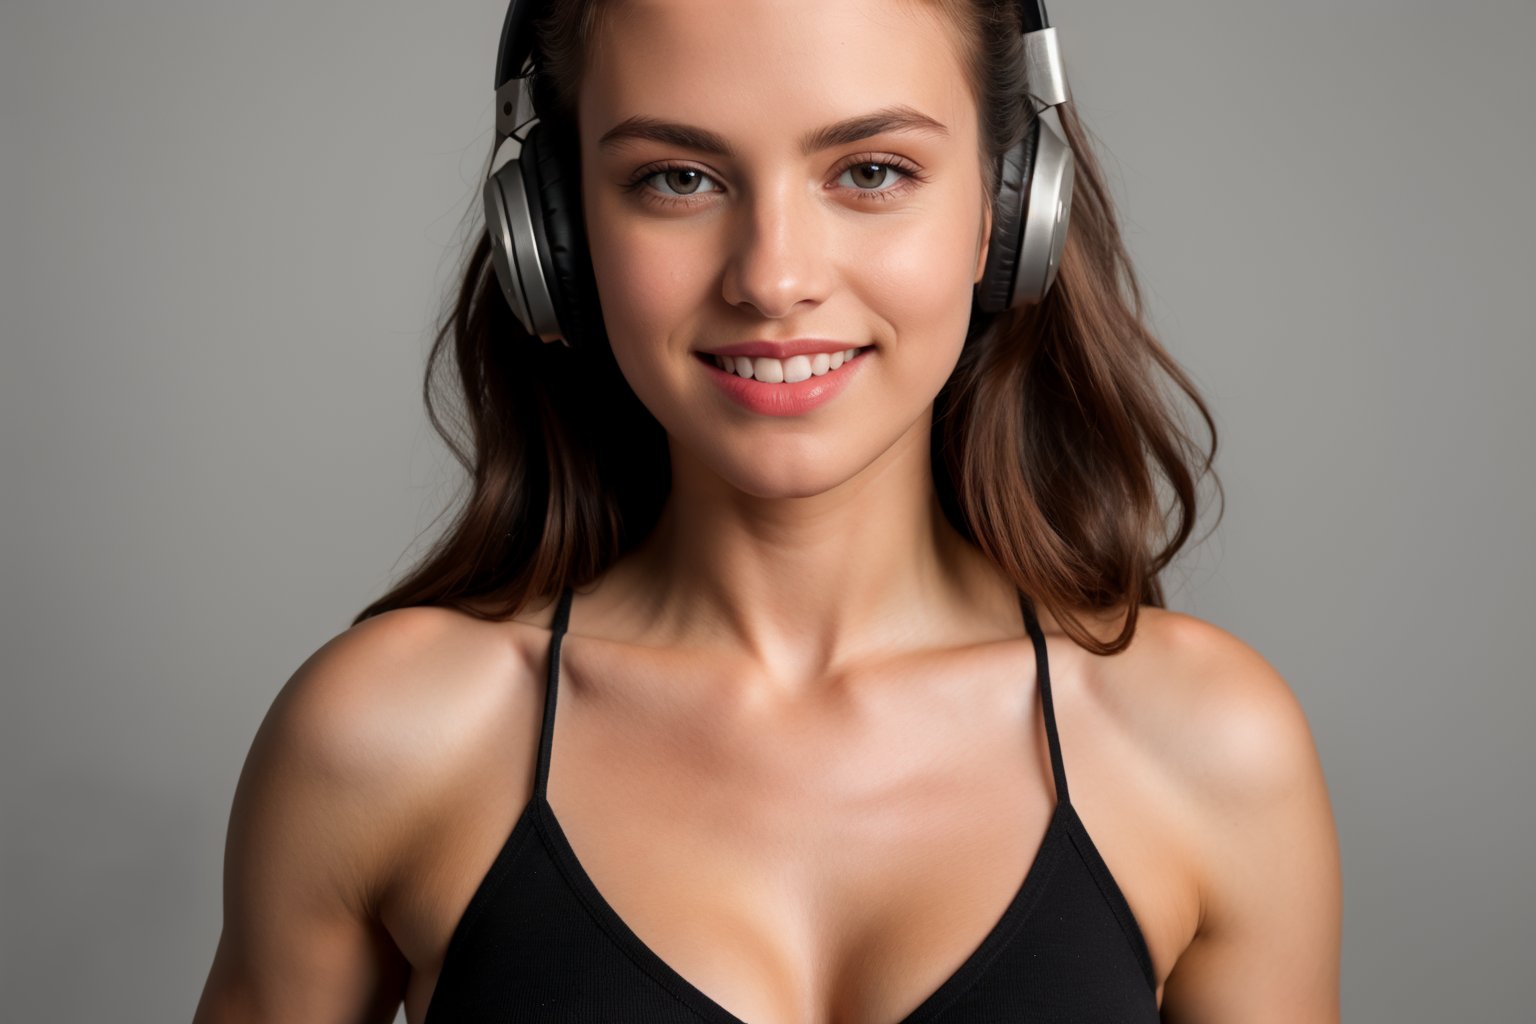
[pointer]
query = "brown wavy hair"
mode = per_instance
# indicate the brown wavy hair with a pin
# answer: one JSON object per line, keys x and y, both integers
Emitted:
{"x": 1055, "y": 441}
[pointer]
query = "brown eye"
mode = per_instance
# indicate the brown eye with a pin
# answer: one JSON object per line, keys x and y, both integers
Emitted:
{"x": 672, "y": 184}
{"x": 683, "y": 180}
{"x": 879, "y": 179}
{"x": 871, "y": 175}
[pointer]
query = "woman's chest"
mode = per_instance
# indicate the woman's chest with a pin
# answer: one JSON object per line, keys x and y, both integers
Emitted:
{"x": 838, "y": 863}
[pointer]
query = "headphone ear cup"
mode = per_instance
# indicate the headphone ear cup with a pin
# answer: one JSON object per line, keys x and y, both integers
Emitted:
{"x": 1029, "y": 220}
{"x": 508, "y": 223}
{"x": 559, "y": 234}
{"x": 995, "y": 291}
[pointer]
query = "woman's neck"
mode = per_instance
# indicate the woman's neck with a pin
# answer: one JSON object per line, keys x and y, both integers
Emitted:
{"x": 805, "y": 584}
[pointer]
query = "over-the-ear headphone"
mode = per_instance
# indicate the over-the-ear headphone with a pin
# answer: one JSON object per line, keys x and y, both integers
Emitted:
{"x": 538, "y": 241}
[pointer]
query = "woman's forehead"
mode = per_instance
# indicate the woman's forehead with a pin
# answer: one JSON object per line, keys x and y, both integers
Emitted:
{"x": 717, "y": 62}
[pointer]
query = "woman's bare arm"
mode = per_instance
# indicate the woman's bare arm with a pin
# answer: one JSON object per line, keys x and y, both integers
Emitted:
{"x": 1268, "y": 944}
{"x": 310, "y": 843}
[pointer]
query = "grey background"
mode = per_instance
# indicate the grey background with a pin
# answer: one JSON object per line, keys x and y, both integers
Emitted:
{"x": 225, "y": 230}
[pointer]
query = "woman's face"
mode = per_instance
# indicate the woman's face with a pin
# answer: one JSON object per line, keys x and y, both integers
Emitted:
{"x": 746, "y": 224}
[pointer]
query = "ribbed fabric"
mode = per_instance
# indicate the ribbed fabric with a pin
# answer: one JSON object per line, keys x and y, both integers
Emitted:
{"x": 538, "y": 942}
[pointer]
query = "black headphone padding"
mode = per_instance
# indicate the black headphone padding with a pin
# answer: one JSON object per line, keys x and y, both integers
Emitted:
{"x": 994, "y": 292}
{"x": 559, "y": 231}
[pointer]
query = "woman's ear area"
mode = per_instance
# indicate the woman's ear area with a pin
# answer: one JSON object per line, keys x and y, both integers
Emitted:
{"x": 983, "y": 242}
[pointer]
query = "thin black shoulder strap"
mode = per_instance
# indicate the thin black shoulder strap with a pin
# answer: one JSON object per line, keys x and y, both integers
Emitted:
{"x": 1043, "y": 673}
{"x": 551, "y": 692}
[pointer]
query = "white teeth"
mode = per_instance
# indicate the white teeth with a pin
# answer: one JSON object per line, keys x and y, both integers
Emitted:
{"x": 769, "y": 371}
{"x": 796, "y": 369}
{"x": 786, "y": 371}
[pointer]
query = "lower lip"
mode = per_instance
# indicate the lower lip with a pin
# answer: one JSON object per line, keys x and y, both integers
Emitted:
{"x": 784, "y": 399}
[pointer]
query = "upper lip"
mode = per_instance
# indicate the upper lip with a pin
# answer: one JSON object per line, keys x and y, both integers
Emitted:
{"x": 780, "y": 349}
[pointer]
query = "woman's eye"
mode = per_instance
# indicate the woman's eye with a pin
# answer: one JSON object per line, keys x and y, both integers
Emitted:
{"x": 871, "y": 179}
{"x": 684, "y": 181}
{"x": 868, "y": 175}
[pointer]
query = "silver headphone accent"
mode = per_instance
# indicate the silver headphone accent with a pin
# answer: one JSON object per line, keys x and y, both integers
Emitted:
{"x": 1050, "y": 192}
{"x": 1045, "y": 218}
{"x": 508, "y": 219}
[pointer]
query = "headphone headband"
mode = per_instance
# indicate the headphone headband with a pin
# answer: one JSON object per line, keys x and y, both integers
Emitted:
{"x": 516, "y": 41}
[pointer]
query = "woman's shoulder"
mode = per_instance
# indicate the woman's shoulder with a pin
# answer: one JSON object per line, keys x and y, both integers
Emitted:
{"x": 421, "y": 655}
{"x": 386, "y": 717}
{"x": 404, "y": 673}
{"x": 1222, "y": 740}
{"x": 1224, "y": 746}
{"x": 357, "y": 757}
{"x": 1212, "y": 710}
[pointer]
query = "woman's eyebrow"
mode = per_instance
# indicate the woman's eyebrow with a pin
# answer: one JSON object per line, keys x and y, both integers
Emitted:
{"x": 899, "y": 118}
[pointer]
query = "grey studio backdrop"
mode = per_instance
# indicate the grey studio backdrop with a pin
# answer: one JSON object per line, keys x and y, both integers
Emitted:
{"x": 226, "y": 231}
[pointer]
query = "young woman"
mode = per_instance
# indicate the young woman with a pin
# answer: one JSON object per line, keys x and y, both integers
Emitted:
{"x": 845, "y": 588}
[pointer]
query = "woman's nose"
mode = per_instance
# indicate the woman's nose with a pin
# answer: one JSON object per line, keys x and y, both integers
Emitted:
{"x": 779, "y": 260}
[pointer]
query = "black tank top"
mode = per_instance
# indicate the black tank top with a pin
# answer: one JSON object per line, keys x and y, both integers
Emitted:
{"x": 538, "y": 942}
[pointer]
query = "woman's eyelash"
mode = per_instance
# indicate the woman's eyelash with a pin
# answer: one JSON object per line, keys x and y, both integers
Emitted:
{"x": 638, "y": 182}
{"x": 908, "y": 171}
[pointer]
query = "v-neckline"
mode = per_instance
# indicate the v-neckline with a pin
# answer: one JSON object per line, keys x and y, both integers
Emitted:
{"x": 1047, "y": 854}
{"x": 1040, "y": 868}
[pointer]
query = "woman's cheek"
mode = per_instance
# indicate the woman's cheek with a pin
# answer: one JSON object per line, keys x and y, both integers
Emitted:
{"x": 919, "y": 281}
{"x": 658, "y": 284}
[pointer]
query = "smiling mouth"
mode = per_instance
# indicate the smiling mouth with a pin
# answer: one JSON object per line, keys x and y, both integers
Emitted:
{"x": 783, "y": 371}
